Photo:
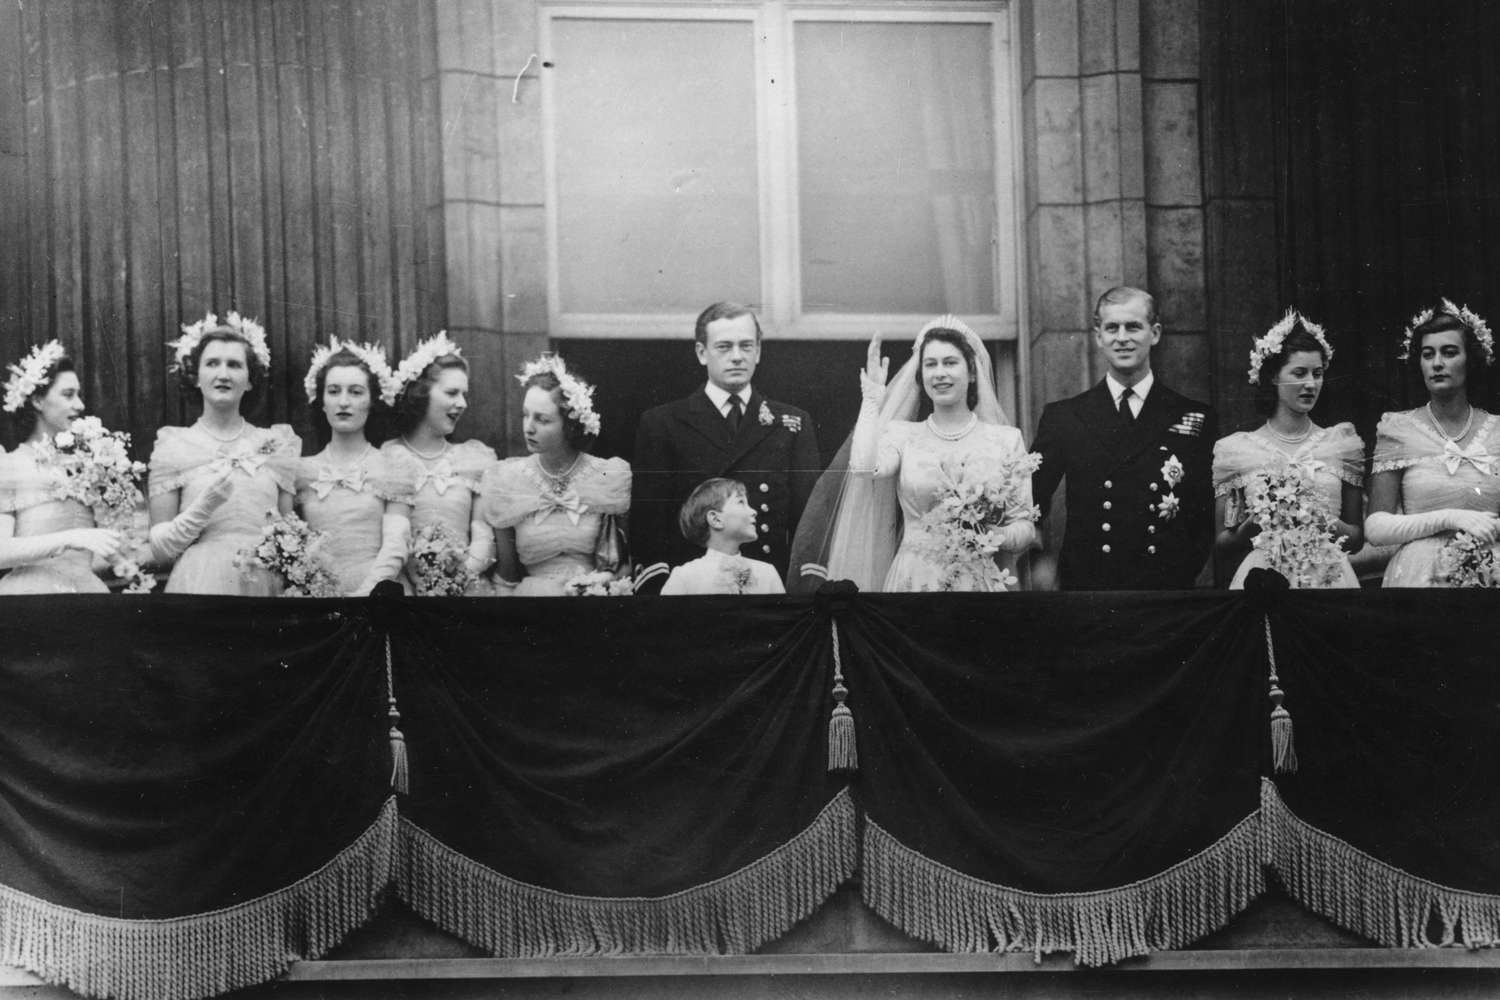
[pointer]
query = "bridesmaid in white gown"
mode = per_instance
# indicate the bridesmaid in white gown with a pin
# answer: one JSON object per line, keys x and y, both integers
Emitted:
{"x": 1437, "y": 465}
{"x": 216, "y": 483}
{"x": 47, "y": 540}
{"x": 964, "y": 441}
{"x": 550, "y": 509}
{"x": 433, "y": 394}
{"x": 357, "y": 496}
{"x": 1287, "y": 368}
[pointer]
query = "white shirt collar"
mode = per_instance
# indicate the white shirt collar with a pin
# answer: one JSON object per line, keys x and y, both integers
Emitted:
{"x": 1140, "y": 389}
{"x": 720, "y": 398}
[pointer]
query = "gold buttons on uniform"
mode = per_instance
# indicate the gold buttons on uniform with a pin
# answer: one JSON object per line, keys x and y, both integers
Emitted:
{"x": 1153, "y": 487}
{"x": 1104, "y": 549}
{"x": 766, "y": 549}
{"x": 1151, "y": 549}
{"x": 764, "y": 528}
{"x": 765, "y": 508}
{"x": 1150, "y": 529}
{"x": 764, "y": 488}
{"x": 1109, "y": 484}
{"x": 1108, "y": 505}
{"x": 1104, "y": 526}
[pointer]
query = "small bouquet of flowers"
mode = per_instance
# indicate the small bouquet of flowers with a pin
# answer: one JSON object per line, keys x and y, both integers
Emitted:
{"x": 964, "y": 526}
{"x": 439, "y": 563}
{"x": 1297, "y": 532}
{"x": 290, "y": 549}
{"x": 599, "y": 583}
{"x": 99, "y": 473}
{"x": 1465, "y": 561}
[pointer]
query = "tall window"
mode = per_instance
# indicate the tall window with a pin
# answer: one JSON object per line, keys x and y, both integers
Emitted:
{"x": 845, "y": 167}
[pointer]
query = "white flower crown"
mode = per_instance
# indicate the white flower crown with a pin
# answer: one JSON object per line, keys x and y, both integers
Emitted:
{"x": 372, "y": 356}
{"x": 192, "y": 334}
{"x": 419, "y": 360}
{"x": 30, "y": 374}
{"x": 578, "y": 395}
{"x": 1270, "y": 345}
{"x": 1461, "y": 313}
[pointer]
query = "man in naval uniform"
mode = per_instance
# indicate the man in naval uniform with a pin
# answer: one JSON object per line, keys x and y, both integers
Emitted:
{"x": 726, "y": 429}
{"x": 1137, "y": 458}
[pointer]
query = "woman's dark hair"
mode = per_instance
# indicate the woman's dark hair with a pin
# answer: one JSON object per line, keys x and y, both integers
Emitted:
{"x": 1476, "y": 362}
{"x": 411, "y": 403}
{"x": 573, "y": 431}
{"x": 955, "y": 339}
{"x": 379, "y": 413}
{"x": 187, "y": 375}
{"x": 1297, "y": 339}
{"x": 24, "y": 419}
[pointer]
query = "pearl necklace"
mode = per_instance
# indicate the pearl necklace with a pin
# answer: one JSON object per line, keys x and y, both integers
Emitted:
{"x": 1468, "y": 422}
{"x": 426, "y": 456}
{"x": 968, "y": 426}
{"x": 225, "y": 440}
{"x": 1290, "y": 438}
{"x": 558, "y": 481}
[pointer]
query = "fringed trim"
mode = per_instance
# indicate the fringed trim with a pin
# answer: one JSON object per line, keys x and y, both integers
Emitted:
{"x": 1358, "y": 892}
{"x": 205, "y": 954}
{"x": 960, "y": 913}
{"x": 731, "y": 915}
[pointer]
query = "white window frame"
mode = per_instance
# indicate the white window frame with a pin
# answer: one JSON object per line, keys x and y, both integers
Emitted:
{"x": 780, "y": 305}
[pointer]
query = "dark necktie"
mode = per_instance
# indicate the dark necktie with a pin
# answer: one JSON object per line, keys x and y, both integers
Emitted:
{"x": 1126, "y": 413}
{"x": 733, "y": 416}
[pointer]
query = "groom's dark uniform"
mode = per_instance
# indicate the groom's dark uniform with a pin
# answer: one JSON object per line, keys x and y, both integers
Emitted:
{"x": 1119, "y": 534}
{"x": 680, "y": 444}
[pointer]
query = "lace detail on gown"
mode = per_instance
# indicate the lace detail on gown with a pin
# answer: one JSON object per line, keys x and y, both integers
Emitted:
{"x": 33, "y": 495}
{"x": 264, "y": 462}
{"x": 1436, "y": 476}
{"x": 555, "y": 532}
{"x": 347, "y": 503}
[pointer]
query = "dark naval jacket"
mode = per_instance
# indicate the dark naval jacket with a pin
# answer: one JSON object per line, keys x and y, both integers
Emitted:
{"x": 680, "y": 444}
{"x": 1133, "y": 522}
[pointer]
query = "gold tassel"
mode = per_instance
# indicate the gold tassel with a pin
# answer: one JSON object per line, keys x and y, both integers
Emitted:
{"x": 1283, "y": 749}
{"x": 843, "y": 752}
{"x": 400, "y": 769}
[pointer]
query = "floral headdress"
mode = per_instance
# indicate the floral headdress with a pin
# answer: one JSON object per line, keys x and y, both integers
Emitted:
{"x": 1270, "y": 345}
{"x": 372, "y": 356}
{"x": 1461, "y": 313}
{"x": 31, "y": 374}
{"x": 577, "y": 395}
{"x": 192, "y": 335}
{"x": 418, "y": 361}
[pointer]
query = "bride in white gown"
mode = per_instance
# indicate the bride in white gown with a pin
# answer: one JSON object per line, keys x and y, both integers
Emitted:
{"x": 901, "y": 468}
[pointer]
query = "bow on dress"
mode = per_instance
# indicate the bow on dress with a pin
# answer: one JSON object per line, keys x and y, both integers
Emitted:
{"x": 568, "y": 502}
{"x": 328, "y": 479}
{"x": 248, "y": 464}
{"x": 440, "y": 476}
{"x": 1475, "y": 454}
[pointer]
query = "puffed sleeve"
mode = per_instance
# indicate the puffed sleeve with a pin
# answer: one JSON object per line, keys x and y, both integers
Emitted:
{"x": 471, "y": 461}
{"x": 395, "y": 476}
{"x": 1397, "y": 445}
{"x": 893, "y": 437}
{"x": 285, "y": 449}
{"x": 10, "y": 480}
{"x": 1234, "y": 460}
{"x": 507, "y": 496}
{"x": 607, "y": 488}
{"x": 172, "y": 458}
{"x": 1346, "y": 454}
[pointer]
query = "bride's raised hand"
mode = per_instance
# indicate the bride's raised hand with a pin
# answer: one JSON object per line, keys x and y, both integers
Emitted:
{"x": 873, "y": 377}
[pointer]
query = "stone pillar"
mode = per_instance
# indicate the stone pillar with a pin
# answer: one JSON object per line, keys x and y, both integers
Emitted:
{"x": 492, "y": 207}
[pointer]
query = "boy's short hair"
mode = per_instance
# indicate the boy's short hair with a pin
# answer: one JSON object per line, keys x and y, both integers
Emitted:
{"x": 711, "y": 494}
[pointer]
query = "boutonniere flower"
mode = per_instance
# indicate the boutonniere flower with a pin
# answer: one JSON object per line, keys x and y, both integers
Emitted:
{"x": 1171, "y": 471}
{"x": 765, "y": 417}
{"x": 1166, "y": 508}
{"x": 791, "y": 423}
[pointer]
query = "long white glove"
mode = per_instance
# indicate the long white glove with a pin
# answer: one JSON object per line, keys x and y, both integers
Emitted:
{"x": 17, "y": 552}
{"x": 395, "y": 544}
{"x": 1382, "y": 528}
{"x": 170, "y": 539}
{"x": 865, "y": 444}
{"x": 481, "y": 547}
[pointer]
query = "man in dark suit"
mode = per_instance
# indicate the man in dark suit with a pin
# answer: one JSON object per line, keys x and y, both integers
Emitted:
{"x": 1138, "y": 460}
{"x": 727, "y": 429}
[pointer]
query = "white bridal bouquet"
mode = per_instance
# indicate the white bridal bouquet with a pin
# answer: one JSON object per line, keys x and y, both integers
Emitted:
{"x": 291, "y": 550}
{"x": 100, "y": 474}
{"x": 439, "y": 563}
{"x": 1297, "y": 534}
{"x": 600, "y": 583}
{"x": 976, "y": 502}
{"x": 1465, "y": 561}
